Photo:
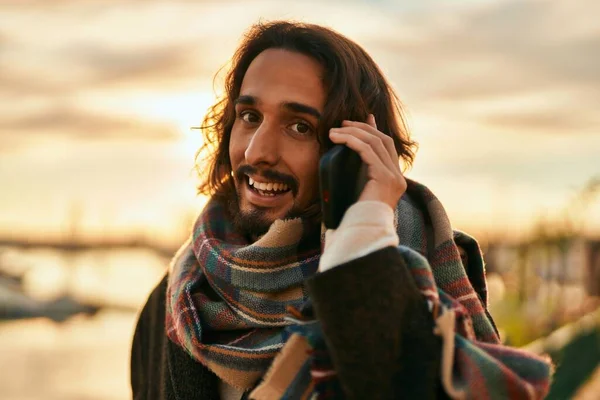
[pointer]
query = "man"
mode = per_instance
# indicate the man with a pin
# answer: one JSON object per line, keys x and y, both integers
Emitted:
{"x": 258, "y": 304}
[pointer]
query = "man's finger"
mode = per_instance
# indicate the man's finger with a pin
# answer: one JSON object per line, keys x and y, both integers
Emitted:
{"x": 388, "y": 142}
{"x": 371, "y": 121}
{"x": 373, "y": 141}
{"x": 367, "y": 153}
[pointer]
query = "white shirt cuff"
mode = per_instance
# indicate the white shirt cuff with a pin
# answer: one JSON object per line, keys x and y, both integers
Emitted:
{"x": 367, "y": 226}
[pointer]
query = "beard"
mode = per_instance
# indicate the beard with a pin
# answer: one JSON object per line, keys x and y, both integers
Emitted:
{"x": 256, "y": 222}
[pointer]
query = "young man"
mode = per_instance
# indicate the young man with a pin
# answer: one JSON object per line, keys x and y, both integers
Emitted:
{"x": 259, "y": 304}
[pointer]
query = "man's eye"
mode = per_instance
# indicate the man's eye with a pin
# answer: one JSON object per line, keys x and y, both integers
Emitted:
{"x": 301, "y": 127}
{"x": 249, "y": 116}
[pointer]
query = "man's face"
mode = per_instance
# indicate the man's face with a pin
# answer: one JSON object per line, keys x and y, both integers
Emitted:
{"x": 274, "y": 150}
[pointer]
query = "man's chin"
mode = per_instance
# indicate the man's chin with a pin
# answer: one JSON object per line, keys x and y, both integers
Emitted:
{"x": 251, "y": 220}
{"x": 253, "y": 223}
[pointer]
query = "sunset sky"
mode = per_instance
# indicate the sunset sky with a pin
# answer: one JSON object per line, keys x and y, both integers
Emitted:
{"x": 98, "y": 96}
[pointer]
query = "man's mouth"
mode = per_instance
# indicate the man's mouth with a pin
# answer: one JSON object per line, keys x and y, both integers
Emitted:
{"x": 267, "y": 188}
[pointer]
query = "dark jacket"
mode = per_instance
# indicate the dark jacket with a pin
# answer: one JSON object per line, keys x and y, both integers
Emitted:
{"x": 377, "y": 327}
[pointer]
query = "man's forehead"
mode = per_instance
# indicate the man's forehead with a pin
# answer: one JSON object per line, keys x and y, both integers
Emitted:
{"x": 278, "y": 76}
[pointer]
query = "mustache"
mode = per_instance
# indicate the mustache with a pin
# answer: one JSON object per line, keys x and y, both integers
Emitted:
{"x": 268, "y": 174}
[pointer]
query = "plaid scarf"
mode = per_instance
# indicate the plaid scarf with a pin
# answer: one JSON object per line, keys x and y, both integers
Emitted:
{"x": 229, "y": 305}
{"x": 227, "y": 298}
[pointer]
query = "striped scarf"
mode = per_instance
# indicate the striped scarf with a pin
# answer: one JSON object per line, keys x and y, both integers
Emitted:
{"x": 229, "y": 304}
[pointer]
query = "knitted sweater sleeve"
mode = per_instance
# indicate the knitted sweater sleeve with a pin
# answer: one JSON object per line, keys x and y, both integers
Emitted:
{"x": 378, "y": 328}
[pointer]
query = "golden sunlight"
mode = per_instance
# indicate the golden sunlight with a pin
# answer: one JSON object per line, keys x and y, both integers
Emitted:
{"x": 182, "y": 110}
{"x": 186, "y": 110}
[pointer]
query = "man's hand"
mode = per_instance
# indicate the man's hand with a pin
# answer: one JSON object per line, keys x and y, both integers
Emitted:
{"x": 385, "y": 180}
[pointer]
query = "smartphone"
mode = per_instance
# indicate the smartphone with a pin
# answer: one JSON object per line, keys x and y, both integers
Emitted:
{"x": 342, "y": 177}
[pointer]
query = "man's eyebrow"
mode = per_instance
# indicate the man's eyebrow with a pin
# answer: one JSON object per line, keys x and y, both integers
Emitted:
{"x": 302, "y": 108}
{"x": 288, "y": 105}
{"x": 245, "y": 99}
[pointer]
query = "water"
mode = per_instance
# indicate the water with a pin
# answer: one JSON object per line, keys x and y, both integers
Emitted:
{"x": 85, "y": 357}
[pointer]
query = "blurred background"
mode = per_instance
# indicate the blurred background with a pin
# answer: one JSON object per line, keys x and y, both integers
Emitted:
{"x": 97, "y": 154}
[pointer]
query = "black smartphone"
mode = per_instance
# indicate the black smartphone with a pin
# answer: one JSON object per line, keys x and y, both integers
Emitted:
{"x": 342, "y": 177}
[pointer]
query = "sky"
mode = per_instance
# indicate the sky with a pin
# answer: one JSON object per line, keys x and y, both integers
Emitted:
{"x": 98, "y": 98}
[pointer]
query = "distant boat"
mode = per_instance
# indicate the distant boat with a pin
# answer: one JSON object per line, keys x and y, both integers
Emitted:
{"x": 15, "y": 304}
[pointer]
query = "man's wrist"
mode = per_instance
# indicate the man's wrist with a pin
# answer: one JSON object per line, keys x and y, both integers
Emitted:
{"x": 367, "y": 226}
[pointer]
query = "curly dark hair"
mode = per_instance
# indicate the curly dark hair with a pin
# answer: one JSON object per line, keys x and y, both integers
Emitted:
{"x": 353, "y": 83}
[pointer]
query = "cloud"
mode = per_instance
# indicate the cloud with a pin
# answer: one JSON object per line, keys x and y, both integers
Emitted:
{"x": 160, "y": 66}
{"x": 549, "y": 121}
{"x": 105, "y": 68}
{"x": 16, "y": 84}
{"x": 85, "y": 125}
{"x": 91, "y": 45}
{"x": 444, "y": 59}
{"x": 508, "y": 49}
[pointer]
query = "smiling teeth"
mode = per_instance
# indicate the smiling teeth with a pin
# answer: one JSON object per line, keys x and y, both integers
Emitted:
{"x": 268, "y": 186}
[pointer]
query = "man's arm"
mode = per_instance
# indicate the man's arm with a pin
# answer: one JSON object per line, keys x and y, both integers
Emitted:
{"x": 378, "y": 329}
{"x": 376, "y": 322}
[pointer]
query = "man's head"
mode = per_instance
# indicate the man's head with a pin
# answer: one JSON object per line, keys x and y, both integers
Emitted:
{"x": 288, "y": 85}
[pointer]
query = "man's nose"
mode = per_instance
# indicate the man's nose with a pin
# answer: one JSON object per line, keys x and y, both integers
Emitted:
{"x": 263, "y": 147}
